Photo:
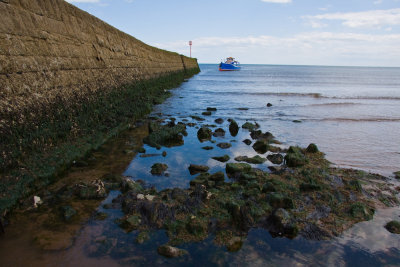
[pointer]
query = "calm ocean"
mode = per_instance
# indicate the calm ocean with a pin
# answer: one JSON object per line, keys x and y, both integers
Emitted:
{"x": 351, "y": 113}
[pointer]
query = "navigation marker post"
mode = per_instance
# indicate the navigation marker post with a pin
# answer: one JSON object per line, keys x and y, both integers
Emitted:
{"x": 190, "y": 44}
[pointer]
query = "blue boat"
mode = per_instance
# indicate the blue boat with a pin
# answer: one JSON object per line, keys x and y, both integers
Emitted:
{"x": 229, "y": 65}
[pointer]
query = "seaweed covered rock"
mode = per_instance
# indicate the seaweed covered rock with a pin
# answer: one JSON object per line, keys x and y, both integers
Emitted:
{"x": 223, "y": 158}
{"x": 232, "y": 168}
{"x": 397, "y": 175}
{"x": 158, "y": 168}
{"x": 254, "y": 160}
{"x": 165, "y": 135}
{"x": 295, "y": 157}
{"x": 312, "y": 148}
{"x": 204, "y": 134}
{"x": 393, "y": 227}
{"x": 193, "y": 168}
{"x": 233, "y": 128}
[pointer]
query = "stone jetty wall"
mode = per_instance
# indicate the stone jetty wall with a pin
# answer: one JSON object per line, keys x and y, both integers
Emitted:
{"x": 67, "y": 81}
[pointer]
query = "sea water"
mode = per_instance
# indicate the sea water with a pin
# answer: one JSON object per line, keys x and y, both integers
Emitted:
{"x": 351, "y": 113}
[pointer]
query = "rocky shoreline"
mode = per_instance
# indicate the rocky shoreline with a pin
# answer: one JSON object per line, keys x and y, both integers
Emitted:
{"x": 300, "y": 194}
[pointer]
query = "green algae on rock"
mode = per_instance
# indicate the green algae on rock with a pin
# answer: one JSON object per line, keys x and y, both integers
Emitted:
{"x": 158, "y": 168}
{"x": 223, "y": 158}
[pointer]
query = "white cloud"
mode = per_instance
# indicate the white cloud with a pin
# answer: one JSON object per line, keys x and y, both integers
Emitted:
{"x": 277, "y": 1}
{"x": 326, "y": 48}
{"x": 372, "y": 18}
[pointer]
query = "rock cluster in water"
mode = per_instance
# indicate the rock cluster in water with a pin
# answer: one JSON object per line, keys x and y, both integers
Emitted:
{"x": 302, "y": 195}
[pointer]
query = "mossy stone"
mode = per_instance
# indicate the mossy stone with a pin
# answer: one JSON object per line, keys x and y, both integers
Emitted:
{"x": 158, "y": 168}
{"x": 295, "y": 157}
{"x": 204, "y": 133}
{"x": 237, "y": 167}
{"x": 254, "y": 160}
{"x": 312, "y": 148}
{"x": 224, "y": 158}
{"x": 249, "y": 126}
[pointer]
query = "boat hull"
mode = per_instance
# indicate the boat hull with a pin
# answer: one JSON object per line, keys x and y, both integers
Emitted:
{"x": 228, "y": 67}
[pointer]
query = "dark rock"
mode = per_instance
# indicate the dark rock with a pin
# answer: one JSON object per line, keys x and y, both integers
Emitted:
{"x": 247, "y": 141}
{"x": 266, "y": 137}
{"x": 296, "y": 121}
{"x": 224, "y": 145}
{"x": 242, "y": 108}
{"x": 206, "y": 113}
{"x": 397, "y": 175}
{"x": 233, "y": 128}
{"x": 219, "y": 120}
{"x": 234, "y": 244}
{"x": 275, "y": 158}
{"x": 158, "y": 168}
{"x": 207, "y": 147}
{"x": 261, "y": 147}
{"x": 141, "y": 150}
{"x": 224, "y": 158}
{"x": 197, "y": 118}
{"x": 393, "y": 227}
{"x": 131, "y": 223}
{"x": 67, "y": 212}
{"x": 211, "y": 109}
{"x": 219, "y": 132}
{"x": 171, "y": 252}
{"x": 312, "y": 148}
{"x": 164, "y": 153}
{"x": 254, "y": 160}
{"x": 269, "y": 105}
{"x": 204, "y": 134}
{"x": 193, "y": 169}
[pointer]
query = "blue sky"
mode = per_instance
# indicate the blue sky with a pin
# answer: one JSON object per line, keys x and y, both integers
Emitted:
{"x": 299, "y": 32}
